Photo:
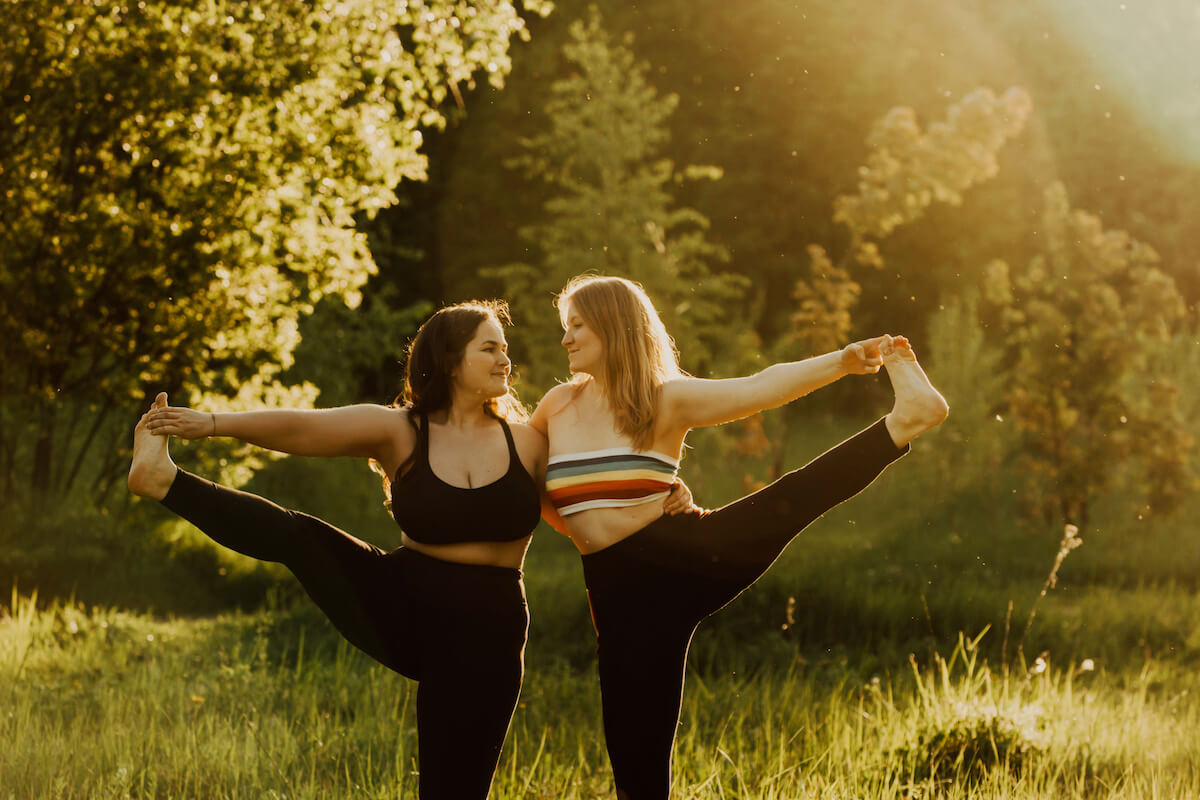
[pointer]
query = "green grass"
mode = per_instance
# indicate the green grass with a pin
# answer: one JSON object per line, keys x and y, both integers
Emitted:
{"x": 878, "y": 658}
{"x": 107, "y": 704}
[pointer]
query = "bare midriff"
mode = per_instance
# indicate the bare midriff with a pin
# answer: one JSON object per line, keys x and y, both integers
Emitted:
{"x": 598, "y": 528}
{"x": 496, "y": 554}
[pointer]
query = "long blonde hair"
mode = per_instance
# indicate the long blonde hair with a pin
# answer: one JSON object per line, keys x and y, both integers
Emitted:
{"x": 639, "y": 354}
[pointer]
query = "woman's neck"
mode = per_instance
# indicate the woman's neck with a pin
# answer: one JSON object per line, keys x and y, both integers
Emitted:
{"x": 463, "y": 412}
{"x": 593, "y": 384}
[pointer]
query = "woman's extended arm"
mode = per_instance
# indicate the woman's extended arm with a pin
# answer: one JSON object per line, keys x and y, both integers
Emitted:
{"x": 696, "y": 402}
{"x": 369, "y": 431}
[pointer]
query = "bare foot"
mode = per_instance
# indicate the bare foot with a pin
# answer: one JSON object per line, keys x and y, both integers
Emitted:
{"x": 152, "y": 471}
{"x": 919, "y": 407}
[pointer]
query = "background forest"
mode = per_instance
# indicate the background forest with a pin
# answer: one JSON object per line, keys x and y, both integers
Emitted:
{"x": 251, "y": 205}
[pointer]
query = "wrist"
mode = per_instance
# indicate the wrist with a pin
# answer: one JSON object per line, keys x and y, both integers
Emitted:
{"x": 841, "y": 368}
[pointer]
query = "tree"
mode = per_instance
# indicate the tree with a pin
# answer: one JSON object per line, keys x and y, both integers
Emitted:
{"x": 907, "y": 171}
{"x": 1086, "y": 319}
{"x": 968, "y": 360}
{"x": 612, "y": 209}
{"x": 182, "y": 184}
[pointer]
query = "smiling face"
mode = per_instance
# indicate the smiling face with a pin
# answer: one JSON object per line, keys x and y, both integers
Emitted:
{"x": 585, "y": 350}
{"x": 484, "y": 369}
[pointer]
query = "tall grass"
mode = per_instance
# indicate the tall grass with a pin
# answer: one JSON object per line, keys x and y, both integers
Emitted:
{"x": 99, "y": 703}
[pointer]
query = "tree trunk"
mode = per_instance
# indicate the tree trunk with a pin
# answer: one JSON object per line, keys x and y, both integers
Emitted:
{"x": 43, "y": 456}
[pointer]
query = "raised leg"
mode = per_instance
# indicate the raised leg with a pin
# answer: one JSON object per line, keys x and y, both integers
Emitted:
{"x": 354, "y": 583}
{"x": 738, "y": 542}
{"x": 152, "y": 471}
{"x": 919, "y": 407}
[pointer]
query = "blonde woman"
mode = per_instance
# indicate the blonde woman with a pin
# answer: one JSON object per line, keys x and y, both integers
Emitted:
{"x": 616, "y": 432}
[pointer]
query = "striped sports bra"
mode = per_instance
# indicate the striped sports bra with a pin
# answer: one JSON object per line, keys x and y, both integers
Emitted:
{"x": 612, "y": 478}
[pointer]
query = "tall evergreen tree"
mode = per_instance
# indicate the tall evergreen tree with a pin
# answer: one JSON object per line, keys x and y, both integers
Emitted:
{"x": 613, "y": 210}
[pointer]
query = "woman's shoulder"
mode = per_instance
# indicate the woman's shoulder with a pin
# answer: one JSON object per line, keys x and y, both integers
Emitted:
{"x": 673, "y": 389}
{"x": 527, "y": 438}
{"x": 401, "y": 416}
{"x": 559, "y": 397}
{"x": 400, "y": 424}
{"x": 531, "y": 447}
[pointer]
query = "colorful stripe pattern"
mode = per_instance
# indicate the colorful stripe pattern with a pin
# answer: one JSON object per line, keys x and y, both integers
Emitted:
{"x": 611, "y": 478}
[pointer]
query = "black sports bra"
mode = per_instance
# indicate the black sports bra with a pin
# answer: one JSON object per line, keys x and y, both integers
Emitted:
{"x": 432, "y": 511}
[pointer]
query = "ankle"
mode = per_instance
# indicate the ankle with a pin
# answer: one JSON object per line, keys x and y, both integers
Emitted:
{"x": 152, "y": 480}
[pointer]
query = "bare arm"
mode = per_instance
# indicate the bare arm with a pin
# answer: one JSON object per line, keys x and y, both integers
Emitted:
{"x": 369, "y": 431}
{"x": 551, "y": 403}
{"x": 696, "y": 402}
{"x": 549, "y": 512}
{"x": 551, "y": 515}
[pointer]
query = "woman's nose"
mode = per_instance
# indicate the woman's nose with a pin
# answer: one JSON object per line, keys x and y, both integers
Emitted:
{"x": 566, "y": 339}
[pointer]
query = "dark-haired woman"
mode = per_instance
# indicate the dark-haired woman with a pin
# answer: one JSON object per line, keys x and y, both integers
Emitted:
{"x": 464, "y": 474}
{"x": 616, "y": 433}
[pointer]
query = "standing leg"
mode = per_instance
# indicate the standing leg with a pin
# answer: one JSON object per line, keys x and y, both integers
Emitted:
{"x": 462, "y": 720}
{"x": 473, "y": 626}
{"x": 642, "y": 633}
{"x": 641, "y": 677}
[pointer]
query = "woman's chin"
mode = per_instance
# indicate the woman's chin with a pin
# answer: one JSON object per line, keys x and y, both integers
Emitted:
{"x": 493, "y": 389}
{"x": 578, "y": 367}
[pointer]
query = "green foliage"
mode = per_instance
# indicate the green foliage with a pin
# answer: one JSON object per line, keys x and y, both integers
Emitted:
{"x": 183, "y": 184}
{"x": 344, "y": 348}
{"x": 1086, "y": 319}
{"x": 965, "y": 362}
{"x": 613, "y": 210}
{"x": 823, "y": 321}
{"x": 907, "y": 171}
{"x": 127, "y": 559}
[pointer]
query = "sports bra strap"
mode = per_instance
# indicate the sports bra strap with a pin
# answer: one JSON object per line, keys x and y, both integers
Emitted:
{"x": 423, "y": 437}
{"x": 513, "y": 458}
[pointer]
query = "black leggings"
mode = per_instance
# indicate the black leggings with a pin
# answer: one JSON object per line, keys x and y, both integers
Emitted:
{"x": 649, "y": 591}
{"x": 459, "y": 629}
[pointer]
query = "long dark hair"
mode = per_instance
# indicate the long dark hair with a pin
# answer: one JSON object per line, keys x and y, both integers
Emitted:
{"x": 433, "y": 355}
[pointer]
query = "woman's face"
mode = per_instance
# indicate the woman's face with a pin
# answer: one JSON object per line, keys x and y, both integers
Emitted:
{"x": 485, "y": 367}
{"x": 585, "y": 351}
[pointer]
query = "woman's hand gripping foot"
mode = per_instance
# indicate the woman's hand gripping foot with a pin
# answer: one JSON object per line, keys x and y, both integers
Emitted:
{"x": 152, "y": 471}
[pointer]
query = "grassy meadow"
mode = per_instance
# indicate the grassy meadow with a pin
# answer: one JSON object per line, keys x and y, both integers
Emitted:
{"x": 889, "y": 653}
